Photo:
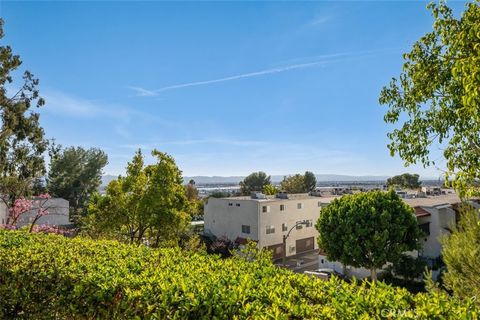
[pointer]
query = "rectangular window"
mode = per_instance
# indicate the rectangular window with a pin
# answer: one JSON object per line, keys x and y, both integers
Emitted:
{"x": 270, "y": 229}
{"x": 284, "y": 227}
{"x": 299, "y": 225}
{"x": 309, "y": 223}
{"x": 425, "y": 227}
{"x": 282, "y": 207}
{"x": 266, "y": 209}
{"x": 299, "y": 205}
{"x": 237, "y": 204}
{"x": 245, "y": 229}
{"x": 230, "y": 204}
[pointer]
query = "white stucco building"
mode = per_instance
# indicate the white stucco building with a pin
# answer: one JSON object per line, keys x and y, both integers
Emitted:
{"x": 266, "y": 220}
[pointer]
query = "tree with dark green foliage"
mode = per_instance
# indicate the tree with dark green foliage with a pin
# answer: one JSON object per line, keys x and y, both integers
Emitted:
{"x": 299, "y": 183}
{"x": 406, "y": 180}
{"x": 436, "y": 97}
{"x": 408, "y": 268}
{"x": 254, "y": 182}
{"x": 461, "y": 254}
{"x": 76, "y": 173}
{"x": 22, "y": 141}
{"x": 220, "y": 194}
{"x": 147, "y": 205}
{"x": 367, "y": 230}
{"x": 310, "y": 181}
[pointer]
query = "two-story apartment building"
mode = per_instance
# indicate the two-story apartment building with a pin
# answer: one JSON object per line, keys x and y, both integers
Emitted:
{"x": 266, "y": 219}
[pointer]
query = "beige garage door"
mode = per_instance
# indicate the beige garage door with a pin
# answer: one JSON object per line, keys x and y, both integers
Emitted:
{"x": 305, "y": 244}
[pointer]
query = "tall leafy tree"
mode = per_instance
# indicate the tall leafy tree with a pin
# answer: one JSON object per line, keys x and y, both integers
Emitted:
{"x": 147, "y": 205}
{"x": 293, "y": 184}
{"x": 461, "y": 254}
{"x": 438, "y": 95}
{"x": 406, "y": 180}
{"x": 310, "y": 181}
{"x": 22, "y": 141}
{"x": 75, "y": 173}
{"x": 436, "y": 98}
{"x": 254, "y": 182}
{"x": 367, "y": 230}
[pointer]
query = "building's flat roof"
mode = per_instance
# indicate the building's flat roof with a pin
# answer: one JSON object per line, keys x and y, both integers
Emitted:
{"x": 297, "y": 196}
{"x": 429, "y": 201}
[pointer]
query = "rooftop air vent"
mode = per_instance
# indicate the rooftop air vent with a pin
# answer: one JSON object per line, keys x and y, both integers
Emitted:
{"x": 281, "y": 195}
{"x": 257, "y": 195}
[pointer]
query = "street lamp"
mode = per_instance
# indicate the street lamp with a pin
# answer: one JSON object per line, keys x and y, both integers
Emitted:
{"x": 285, "y": 237}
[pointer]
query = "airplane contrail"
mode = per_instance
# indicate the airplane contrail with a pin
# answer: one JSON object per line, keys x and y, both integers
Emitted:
{"x": 324, "y": 60}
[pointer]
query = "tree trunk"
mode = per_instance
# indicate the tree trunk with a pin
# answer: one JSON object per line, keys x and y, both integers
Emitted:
{"x": 373, "y": 271}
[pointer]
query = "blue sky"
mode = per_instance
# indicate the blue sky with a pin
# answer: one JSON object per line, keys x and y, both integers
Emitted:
{"x": 226, "y": 88}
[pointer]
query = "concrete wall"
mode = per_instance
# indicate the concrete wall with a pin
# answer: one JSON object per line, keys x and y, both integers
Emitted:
{"x": 58, "y": 214}
{"x": 3, "y": 213}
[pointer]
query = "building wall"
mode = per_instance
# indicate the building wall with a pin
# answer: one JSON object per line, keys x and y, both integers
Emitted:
{"x": 275, "y": 217}
{"x": 350, "y": 271}
{"x": 440, "y": 220}
{"x": 223, "y": 219}
{"x": 3, "y": 213}
{"x": 58, "y": 214}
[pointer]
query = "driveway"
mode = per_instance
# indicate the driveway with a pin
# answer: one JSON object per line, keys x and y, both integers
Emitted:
{"x": 301, "y": 262}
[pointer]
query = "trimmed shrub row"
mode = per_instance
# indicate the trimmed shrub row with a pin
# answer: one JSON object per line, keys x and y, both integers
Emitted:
{"x": 53, "y": 277}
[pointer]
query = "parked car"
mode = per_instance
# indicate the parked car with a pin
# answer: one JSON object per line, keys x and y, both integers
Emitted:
{"x": 325, "y": 273}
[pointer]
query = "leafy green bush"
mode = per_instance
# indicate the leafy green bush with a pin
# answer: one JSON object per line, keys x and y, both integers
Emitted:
{"x": 50, "y": 276}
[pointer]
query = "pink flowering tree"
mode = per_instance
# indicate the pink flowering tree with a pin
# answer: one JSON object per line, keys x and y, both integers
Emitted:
{"x": 21, "y": 206}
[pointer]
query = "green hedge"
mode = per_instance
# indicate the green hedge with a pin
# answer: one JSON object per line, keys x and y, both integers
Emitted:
{"x": 53, "y": 277}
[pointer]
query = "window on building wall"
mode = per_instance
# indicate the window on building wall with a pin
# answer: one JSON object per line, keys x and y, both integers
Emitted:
{"x": 282, "y": 207}
{"x": 309, "y": 223}
{"x": 230, "y": 204}
{"x": 284, "y": 227}
{"x": 299, "y": 205}
{"x": 425, "y": 227}
{"x": 266, "y": 209}
{"x": 237, "y": 204}
{"x": 270, "y": 229}
{"x": 245, "y": 229}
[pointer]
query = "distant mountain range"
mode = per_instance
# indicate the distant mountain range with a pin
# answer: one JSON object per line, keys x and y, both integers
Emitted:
{"x": 278, "y": 178}
{"x": 275, "y": 179}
